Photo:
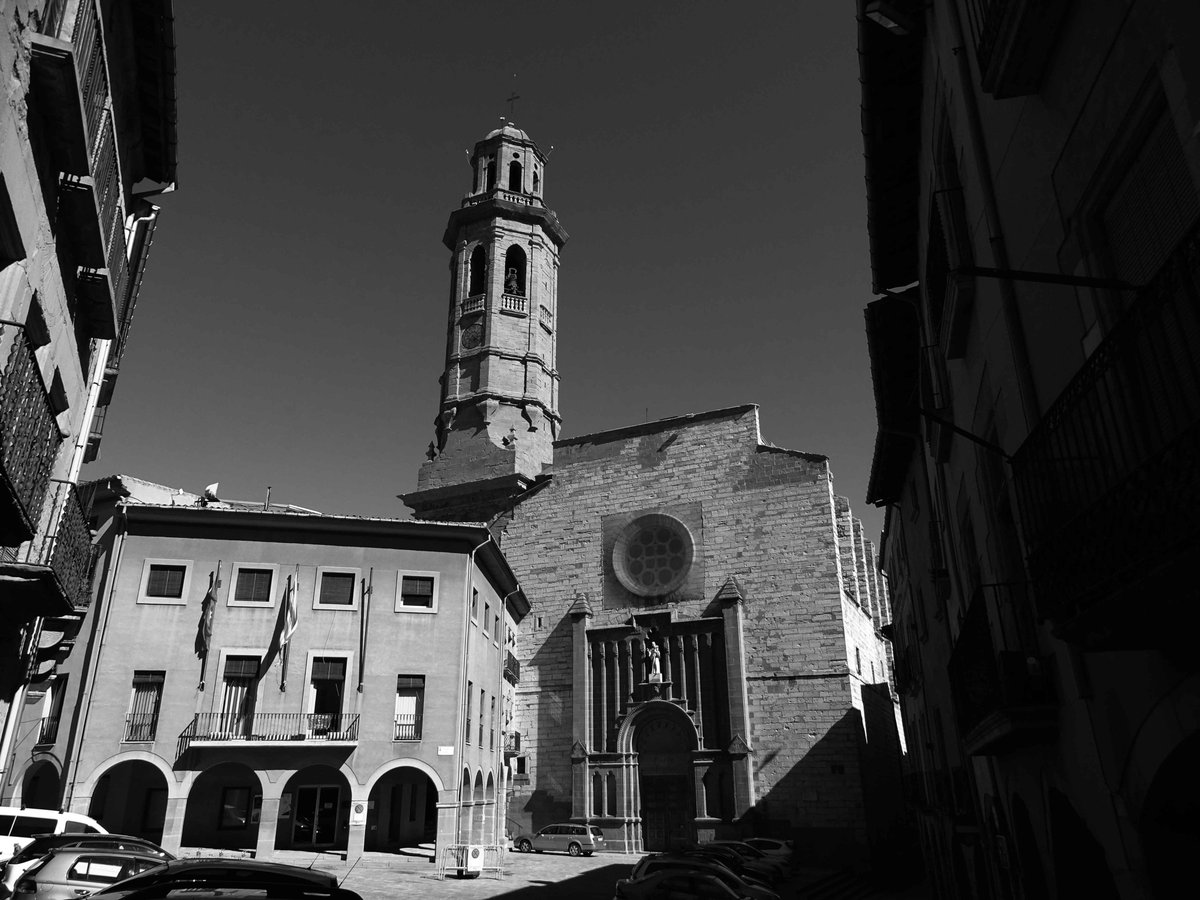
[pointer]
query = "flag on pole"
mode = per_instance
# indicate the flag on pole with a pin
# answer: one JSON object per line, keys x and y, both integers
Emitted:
{"x": 285, "y": 627}
{"x": 207, "y": 608}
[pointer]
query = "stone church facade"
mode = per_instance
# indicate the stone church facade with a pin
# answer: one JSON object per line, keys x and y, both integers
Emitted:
{"x": 703, "y": 656}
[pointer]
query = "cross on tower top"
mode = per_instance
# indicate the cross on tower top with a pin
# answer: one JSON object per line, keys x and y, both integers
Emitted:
{"x": 511, "y": 100}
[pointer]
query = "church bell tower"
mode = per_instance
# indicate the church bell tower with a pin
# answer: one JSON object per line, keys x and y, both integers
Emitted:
{"x": 498, "y": 416}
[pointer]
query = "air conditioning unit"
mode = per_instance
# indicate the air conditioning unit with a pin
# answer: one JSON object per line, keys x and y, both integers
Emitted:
{"x": 474, "y": 858}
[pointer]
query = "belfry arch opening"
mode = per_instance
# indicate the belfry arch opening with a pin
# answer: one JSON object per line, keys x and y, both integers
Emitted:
{"x": 515, "y": 179}
{"x": 514, "y": 271}
{"x": 477, "y": 276}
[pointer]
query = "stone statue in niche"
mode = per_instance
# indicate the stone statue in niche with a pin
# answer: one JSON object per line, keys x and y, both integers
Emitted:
{"x": 510, "y": 282}
{"x": 653, "y": 662}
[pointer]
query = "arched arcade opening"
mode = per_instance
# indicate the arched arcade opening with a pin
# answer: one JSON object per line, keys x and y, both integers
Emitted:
{"x": 314, "y": 811}
{"x": 223, "y": 808}
{"x": 131, "y": 798}
{"x": 401, "y": 811}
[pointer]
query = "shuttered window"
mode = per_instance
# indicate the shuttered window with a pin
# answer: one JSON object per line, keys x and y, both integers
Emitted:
{"x": 142, "y": 721}
{"x": 329, "y": 669}
{"x": 165, "y": 581}
{"x": 417, "y": 590}
{"x": 253, "y": 586}
{"x": 410, "y": 698}
{"x": 337, "y": 589}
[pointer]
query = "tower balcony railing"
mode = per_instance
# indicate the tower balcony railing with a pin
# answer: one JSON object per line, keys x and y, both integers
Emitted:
{"x": 473, "y": 304}
{"x": 512, "y": 303}
{"x": 507, "y": 196}
{"x": 1105, "y": 482}
{"x": 546, "y": 318}
{"x": 56, "y": 563}
{"x": 29, "y": 437}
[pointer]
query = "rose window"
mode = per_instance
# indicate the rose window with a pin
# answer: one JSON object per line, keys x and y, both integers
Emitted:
{"x": 653, "y": 554}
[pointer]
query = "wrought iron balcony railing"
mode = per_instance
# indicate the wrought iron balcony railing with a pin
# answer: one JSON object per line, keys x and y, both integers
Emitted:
{"x": 1013, "y": 41}
{"x": 512, "y": 668}
{"x": 48, "y": 730}
{"x": 141, "y": 726}
{"x": 63, "y": 547}
{"x": 1002, "y": 699}
{"x": 1105, "y": 482}
{"x": 270, "y": 728}
{"x": 29, "y": 437}
{"x": 512, "y": 743}
{"x": 408, "y": 727}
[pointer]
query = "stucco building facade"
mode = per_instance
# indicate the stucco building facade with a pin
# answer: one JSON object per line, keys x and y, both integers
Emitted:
{"x": 88, "y": 112}
{"x": 377, "y": 724}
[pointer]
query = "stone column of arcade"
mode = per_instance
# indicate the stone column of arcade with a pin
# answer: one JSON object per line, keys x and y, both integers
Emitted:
{"x": 357, "y": 838}
{"x": 268, "y": 821}
{"x": 172, "y": 836}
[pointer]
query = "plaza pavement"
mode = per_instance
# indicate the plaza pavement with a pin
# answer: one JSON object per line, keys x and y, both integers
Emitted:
{"x": 549, "y": 876}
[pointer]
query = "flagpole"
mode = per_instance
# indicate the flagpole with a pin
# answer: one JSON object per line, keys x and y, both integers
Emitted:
{"x": 364, "y": 625}
{"x": 283, "y": 651}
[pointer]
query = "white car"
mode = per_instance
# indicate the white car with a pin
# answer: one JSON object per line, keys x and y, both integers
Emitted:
{"x": 19, "y": 825}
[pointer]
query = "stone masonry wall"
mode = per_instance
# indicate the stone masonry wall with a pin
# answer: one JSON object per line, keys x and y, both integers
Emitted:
{"x": 769, "y": 519}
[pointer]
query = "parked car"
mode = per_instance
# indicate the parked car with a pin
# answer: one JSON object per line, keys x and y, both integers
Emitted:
{"x": 677, "y": 884}
{"x": 18, "y": 826}
{"x": 578, "y": 840}
{"x": 204, "y": 878}
{"x": 751, "y": 870}
{"x": 43, "y": 844}
{"x": 682, "y": 862}
{"x": 777, "y": 866}
{"x": 774, "y": 847}
{"x": 75, "y": 872}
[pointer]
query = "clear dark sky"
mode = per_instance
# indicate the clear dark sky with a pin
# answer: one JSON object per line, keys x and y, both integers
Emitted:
{"x": 707, "y": 165}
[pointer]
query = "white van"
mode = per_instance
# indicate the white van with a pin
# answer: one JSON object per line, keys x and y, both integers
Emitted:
{"x": 18, "y": 826}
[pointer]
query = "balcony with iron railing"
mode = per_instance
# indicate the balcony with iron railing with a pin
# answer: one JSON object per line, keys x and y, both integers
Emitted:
{"x": 512, "y": 743}
{"x": 407, "y": 727}
{"x": 141, "y": 727}
{"x": 71, "y": 96}
{"x": 1003, "y": 699}
{"x": 512, "y": 668}
{"x": 50, "y": 574}
{"x": 47, "y": 730}
{"x": 1106, "y": 482}
{"x": 29, "y": 437}
{"x": 270, "y": 729}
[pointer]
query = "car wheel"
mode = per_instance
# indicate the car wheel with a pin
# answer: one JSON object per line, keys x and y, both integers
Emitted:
{"x": 574, "y": 849}
{"x": 524, "y": 846}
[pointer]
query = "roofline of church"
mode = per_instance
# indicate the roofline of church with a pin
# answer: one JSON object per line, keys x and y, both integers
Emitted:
{"x": 658, "y": 425}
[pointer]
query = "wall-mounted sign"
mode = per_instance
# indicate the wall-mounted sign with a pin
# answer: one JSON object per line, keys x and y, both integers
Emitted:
{"x": 445, "y": 751}
{"x": 358, "y": 814}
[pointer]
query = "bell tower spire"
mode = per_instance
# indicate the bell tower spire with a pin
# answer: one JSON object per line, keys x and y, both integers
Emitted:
{"x": 498, "y": 415}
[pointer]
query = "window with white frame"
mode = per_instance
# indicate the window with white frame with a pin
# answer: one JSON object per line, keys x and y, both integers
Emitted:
{"x": 141, "y": 724}
{"x": 335, "y": 588}
{"x": 239, "y": 684}
{"x": 165, "y": 581}
{"x": 253, "y": 584}
{"x": 326, "y": 693}
{"x": 417, "y": 592}
{"x": 410, "y": 703}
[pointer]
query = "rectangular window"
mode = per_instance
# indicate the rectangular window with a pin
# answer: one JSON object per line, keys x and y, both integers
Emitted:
{"x": 239, "y": 683}
{"x": 141, "y": 724}
{"x": 474, "y": 604}
{"x": 487, "y": 617}
{"x": 483, "y": 702}
{"x": 52, "y": 711}
{"x": 165, "y": 581}
{"x": 410, "y": 701}
{"x": 417, "y": 590}
{"x": 467, "y": 713}
{"x": 492, "y": 726}
{"x": 496, "y": 627}
{"x": 326, "y": 689}
{"x": 337, "y": 589}
{"x": 253, "y": 586}
{"x": 857, "y": 661}
{"x": 235, "y": 809}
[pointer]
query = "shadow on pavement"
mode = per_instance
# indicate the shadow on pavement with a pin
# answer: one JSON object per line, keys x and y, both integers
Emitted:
{"x": 594, "y": 884}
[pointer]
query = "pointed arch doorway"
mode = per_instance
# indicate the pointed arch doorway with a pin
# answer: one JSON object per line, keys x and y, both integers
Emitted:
{"x": 664, "y": 741}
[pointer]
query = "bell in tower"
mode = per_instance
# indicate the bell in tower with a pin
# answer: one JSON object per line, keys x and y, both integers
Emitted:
{"x": 498, "y": 417}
